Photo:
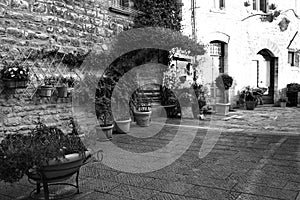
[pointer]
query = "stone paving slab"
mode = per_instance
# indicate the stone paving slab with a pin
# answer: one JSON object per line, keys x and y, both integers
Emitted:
{"x": 248, "y": 162}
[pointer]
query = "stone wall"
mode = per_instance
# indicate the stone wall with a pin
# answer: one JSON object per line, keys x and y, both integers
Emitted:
{"x": 47, "y": 32}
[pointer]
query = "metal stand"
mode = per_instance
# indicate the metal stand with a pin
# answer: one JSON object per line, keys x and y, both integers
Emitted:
{"x": 46, "y": 186}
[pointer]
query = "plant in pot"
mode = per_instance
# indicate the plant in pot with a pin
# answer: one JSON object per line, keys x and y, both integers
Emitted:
{"x": 283, "y": 101}
{"x": 223, "y": 83}
{"x": 186, "y": 98}
{"x": 122, "y": 114}
{"x": 15, "y": 75}
{"x": 200, "y": 100}
{"x": 46, "y": 155}
{"x": 142, "y": 108}
{"x": 103, "y": 100}
{"x": 62, "y": 87}
{"x": 170, "y": 102}
{"x": 247, "y": 96}
{"x": 46, "y": 89}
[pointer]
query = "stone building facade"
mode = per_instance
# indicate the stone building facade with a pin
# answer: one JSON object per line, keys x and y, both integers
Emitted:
{"x": 246, "y": 43}
{"x": 44, "y": 32}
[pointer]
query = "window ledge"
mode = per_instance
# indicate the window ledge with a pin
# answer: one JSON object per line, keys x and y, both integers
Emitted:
{"x": 124, "y": 11}
{"x": 218, "y": 10}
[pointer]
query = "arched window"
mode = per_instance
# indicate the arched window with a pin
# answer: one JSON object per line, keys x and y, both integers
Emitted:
{"x": 217, "y": 50}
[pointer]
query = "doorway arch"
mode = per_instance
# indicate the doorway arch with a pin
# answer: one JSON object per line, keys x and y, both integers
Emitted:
{"x": 267, "y": 74}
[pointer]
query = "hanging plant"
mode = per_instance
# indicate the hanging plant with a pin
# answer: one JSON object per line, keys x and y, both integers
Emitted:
{"x": 283, "y": 24}
{"x": 246, "y": 4}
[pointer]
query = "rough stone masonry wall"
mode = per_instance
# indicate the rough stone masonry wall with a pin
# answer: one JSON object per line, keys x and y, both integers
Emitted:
{"x": 37, "y": 27}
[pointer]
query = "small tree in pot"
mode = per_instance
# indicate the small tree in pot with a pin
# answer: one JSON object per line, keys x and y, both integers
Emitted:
{"x": 103, "y": 101}
{"x": 223, "y": 82}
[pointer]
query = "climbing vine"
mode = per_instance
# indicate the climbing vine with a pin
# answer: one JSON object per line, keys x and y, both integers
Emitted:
{"x": 158, "y": 13}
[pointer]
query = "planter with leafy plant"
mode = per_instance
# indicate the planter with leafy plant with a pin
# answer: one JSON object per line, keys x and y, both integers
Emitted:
{"x": 293, "y": 93}
{"x": 46, "y": 155}
{"x": 103, "y": 101}
{"x": 200, "y": 101}
{"x": 283, "y": 101}
{"x": 142, "y": 108}
{"x": 223, "y": 83}
{"x": 47, "y": 89}
{"x": 65, "y": 85}
{"x": 15, "y": 75}
{"x": 249, "y": 99}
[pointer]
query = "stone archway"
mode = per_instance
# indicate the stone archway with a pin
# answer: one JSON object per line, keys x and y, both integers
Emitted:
{"x": 270, "y": 53}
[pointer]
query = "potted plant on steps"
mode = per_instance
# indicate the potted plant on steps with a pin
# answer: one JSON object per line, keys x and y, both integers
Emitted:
{"x": 223, "y": 83}
{"x": 103, "y": 102}
{"x": 142, "y": 108}
{"x": 46, "y": 155}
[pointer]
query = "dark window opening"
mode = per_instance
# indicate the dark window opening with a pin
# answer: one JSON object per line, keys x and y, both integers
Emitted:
{"x": 263, "y": 5}
{"x": 222, "y": 4}
{"x": 218, "y": 49}
{"x": 291, "y": 58}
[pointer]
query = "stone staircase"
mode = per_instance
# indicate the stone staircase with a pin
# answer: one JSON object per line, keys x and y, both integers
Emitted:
{"x": 267, "y": 99}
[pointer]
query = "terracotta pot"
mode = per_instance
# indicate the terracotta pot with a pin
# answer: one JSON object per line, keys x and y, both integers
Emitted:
{"x": 59, "y": 170}
{"x": 250, "y": 105}
{"x": 105, "y": 132}
{"x": 123, "y": 126}
{"x": 142, "y": 118}
{"x": 62, "y": 91}
{"x": 283, "y": 104}
{"x": 46, "y": 91}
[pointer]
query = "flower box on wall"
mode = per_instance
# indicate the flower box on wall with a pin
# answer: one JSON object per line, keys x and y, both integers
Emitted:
{"x": 13, "y": 84}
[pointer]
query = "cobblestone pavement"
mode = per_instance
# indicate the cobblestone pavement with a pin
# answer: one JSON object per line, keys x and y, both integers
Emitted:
{"x": 256, "y": 157}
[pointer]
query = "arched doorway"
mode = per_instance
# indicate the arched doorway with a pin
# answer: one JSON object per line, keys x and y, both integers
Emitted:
{"x": 267, "y": 75}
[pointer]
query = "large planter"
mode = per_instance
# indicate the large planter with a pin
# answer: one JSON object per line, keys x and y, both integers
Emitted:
{"x": 123, "y": 126}
{"x": 46, "y": 91}
{"x": 250, "y": 105}
{"x": 283, "y": 104}
{"x": 142, "y": 118}
{"x": 293, "y": 98}
{"x": 57, "y": 170}
{"x": 13, "y": 84}
{"x": 105, "y": 132}
{"x": 222, "y": 108}
{"x": 62, "y": 91}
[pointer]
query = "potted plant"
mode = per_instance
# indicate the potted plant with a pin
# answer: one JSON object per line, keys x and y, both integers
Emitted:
{"x": 142, "y": 108}
{"x": 247, "y": 96}
{"x": 283, "y": 101}
{"x": 223, "y": 83}
{"x": 293, "y": 93}
{"x": 47, "y": 89}
{"x": 103, "y": 101}
{"x": 62, "y": 87}
{"x": 46, "y": 155}
{"x": 15, "y": 75}
{"x": 169, "y": 102}
{"x": 200, "y": 100}
{"x": 122, "y": 114}
{"x": 186, "y": 99}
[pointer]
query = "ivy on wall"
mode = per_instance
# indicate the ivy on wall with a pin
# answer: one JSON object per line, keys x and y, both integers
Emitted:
{"x": 158, "y": 13}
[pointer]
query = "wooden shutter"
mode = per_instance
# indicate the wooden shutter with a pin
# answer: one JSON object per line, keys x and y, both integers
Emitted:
{"x": 296, "y": 59}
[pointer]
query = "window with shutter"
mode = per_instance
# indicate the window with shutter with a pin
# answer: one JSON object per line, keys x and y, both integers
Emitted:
{"x": 260, "y": 5}
{"x": 296, "y": 60}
